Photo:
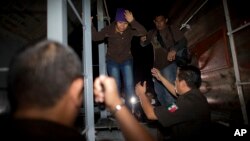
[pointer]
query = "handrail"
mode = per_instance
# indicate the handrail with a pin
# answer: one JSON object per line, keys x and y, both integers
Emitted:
{"x": 75, "y": 11}
{"x": 185, "y": 23}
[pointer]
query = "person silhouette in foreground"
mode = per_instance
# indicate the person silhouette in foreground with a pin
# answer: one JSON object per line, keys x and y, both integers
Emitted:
{"x": 105, "y": 90}
{"x": 45, "y": 86}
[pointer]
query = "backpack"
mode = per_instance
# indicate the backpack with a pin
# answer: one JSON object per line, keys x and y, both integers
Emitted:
{"x": 183, "y": 56}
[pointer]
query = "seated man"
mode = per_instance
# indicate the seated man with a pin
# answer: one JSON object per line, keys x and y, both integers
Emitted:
{"x": 189, "y": 116}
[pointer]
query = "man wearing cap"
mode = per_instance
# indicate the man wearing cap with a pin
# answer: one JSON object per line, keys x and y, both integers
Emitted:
{"x": 119, "y": 59}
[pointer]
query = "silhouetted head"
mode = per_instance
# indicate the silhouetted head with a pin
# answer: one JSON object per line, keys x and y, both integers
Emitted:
{"x": 40, "y": 75}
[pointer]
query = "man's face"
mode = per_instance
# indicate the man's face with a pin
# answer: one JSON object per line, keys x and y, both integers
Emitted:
{"x": 160, "y": 22}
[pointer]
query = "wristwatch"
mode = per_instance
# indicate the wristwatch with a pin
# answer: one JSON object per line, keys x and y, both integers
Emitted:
{"x": 118, "y": 107}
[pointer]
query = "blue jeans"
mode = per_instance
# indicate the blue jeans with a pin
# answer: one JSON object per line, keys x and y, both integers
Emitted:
{"x": 126, "y": 70}
{"x": 163, "y": 95}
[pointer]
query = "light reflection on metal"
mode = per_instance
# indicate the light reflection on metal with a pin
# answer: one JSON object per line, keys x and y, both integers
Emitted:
{"x": 133, "y": 101}
{"x": 211, "y": 100}
{"x": 4, "y": 69}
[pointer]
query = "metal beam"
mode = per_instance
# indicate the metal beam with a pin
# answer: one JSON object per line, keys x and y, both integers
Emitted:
{"x": 57, "y": 21}
{"x": 235, "y": 63}
{"x": 101, "y": 47}
{"x": 75, "y": 11}
{"x": 196, "y": 11}
{"x": 88, "y": 71}
{"x": 239, "y": 28}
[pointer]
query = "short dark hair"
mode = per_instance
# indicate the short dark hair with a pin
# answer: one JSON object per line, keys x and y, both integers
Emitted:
{"x": 160, "y": 14}
{"x": 163, "y": 15}
{"x": 40, "y": 74}
{"x": 190, "y": 74}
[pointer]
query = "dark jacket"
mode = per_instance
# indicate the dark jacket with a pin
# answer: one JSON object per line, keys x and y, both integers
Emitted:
{"x": 189, "y": 117}
{"x": 175, "y": 42}
{"x": 37, "y": 130}
{"x": 119, "y": 44}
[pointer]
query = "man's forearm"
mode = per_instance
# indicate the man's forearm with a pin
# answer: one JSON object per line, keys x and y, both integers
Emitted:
{"x": 131, "y": 128}
{"x": 147, "y": 107}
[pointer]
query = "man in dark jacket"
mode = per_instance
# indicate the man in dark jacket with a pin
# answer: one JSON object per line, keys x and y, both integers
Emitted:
{"x": 189, "y": 116}
{"x": 166, "y": 40}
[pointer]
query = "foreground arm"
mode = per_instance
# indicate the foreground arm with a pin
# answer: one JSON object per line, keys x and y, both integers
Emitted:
{"x": 105, "y": 90}
{"x": 157, "y": 74}
{"x": 148, "y": 109}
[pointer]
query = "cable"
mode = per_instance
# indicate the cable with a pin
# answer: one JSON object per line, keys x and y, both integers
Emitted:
{"x": 107, "y": 13}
